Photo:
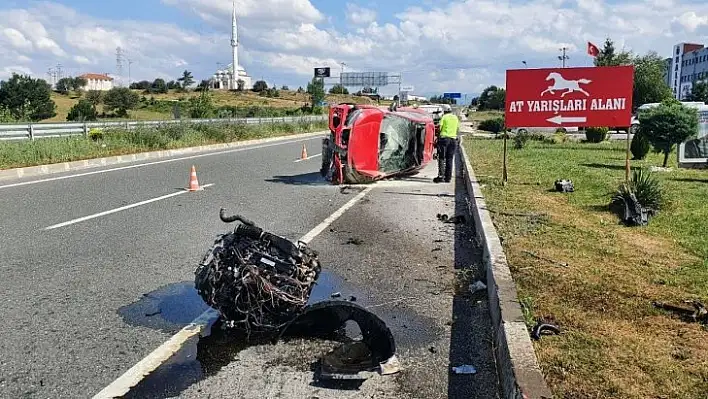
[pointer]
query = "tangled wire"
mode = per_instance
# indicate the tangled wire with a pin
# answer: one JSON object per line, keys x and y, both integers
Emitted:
{"x": 256, "y": 280}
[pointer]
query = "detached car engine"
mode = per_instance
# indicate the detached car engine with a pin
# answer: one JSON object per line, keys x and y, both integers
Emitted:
{"x": 256, "y": 280}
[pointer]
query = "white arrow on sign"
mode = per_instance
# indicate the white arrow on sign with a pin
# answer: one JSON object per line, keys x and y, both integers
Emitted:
{"x": 559, "y": 120}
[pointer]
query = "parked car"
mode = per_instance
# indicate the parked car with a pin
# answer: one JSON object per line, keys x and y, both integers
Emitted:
{"x": 549, "y": 130}
{"x": 368, "y": 143}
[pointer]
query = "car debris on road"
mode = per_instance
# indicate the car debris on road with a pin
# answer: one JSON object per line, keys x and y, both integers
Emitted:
{"x": 260, "y": 284}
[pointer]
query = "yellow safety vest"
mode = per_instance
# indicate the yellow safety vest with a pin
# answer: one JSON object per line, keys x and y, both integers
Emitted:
{"x": 449, "y": 125}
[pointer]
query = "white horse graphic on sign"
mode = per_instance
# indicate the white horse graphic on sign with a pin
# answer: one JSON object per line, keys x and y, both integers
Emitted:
{"x": 559, "y": 83}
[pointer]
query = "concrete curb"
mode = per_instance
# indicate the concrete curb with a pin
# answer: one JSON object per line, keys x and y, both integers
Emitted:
{"x": 40, "y": 170}
{"x": 520, "y": 376}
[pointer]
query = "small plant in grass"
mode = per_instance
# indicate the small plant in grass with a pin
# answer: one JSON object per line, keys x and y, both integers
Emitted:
{"x": 644, "y": 188}
{"x": 596, "y": 134}
{"x": 640, "y": 146}
{"x": 556, "y": 138}
{"x": 520, "y": 139}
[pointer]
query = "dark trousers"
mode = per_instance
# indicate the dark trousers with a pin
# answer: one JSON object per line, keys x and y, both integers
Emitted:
{"x": 446, "y": 155}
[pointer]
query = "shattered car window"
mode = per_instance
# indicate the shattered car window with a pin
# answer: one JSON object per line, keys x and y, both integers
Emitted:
{"x": 399, "y": 143}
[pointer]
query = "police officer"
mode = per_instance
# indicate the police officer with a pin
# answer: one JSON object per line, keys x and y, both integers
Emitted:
{"x": 447, "y": 144}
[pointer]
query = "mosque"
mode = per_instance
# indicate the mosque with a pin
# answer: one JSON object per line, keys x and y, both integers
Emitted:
{"x": 225, "y": 79}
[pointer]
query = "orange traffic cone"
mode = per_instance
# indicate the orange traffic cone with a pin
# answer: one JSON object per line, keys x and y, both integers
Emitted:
{"x": 304, "y": 152}
{"x": 193, "y": 182}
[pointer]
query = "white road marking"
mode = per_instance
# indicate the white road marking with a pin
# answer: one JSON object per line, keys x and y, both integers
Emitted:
{"x": 208, "y": 154}
{"x": 305, "y": 159}
{"x": 135, "y": 374}
{"x": 122, "y": 208}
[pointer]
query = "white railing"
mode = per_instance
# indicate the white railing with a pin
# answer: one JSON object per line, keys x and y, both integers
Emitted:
{"x": 32, "y": 131}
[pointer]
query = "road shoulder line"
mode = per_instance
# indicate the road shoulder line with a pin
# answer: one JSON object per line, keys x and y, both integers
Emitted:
{"x": 520, "y": 375}
{"x": 41, "y": 170}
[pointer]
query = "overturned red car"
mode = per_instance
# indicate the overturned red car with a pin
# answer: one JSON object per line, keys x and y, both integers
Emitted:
{"x": 369, "y": 143}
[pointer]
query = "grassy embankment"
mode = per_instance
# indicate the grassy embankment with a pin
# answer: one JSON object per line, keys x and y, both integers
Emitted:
{"x": 614, "y": 343}
{"x": 111, "y": 142}
{"x": 288, "y": 100}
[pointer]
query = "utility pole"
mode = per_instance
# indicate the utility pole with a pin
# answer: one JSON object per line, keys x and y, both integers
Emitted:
{"x": 341, "y": 77}
{"x": 130, "y": 62}
{"x": 563, "y": 57}
{"x": 119, "y": 65}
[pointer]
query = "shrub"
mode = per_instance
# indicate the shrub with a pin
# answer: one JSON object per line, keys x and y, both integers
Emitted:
{"x": 596, "y": 134}
{"x": 557, "y": 138}
{"x": 667, "y": 125}
{"x": 520, "y": 139}
{"x": 644, "y": 186}
{"x": 95, "y": 134}
{"x": 495, "y": 125}
{"x": 640, "y": 146}
{"x": 82, "y": 111}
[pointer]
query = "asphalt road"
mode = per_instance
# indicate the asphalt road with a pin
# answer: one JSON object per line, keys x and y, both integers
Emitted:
{"x": 84, "y": 302}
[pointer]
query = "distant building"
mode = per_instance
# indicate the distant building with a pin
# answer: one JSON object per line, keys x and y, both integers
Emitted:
{"x": 97, "y": 81}
{"x": 688, "y": 65}
{"x": 227, "y": 78}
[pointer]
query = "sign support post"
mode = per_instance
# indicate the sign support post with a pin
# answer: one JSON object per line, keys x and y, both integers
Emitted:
{"x": 626, "y": 161}
{"x": 505, "y": 176}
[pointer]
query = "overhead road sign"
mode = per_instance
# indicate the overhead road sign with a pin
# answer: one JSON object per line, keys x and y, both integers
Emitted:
{"x": 570, "y": 97}
{"x": 452, "y": 95}
{"x": 322, "y": 72}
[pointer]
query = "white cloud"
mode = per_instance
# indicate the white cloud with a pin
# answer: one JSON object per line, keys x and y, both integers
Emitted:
{"x": 359, "y": 15}
{"x": 81, "y": 59}
{"x": 17, "y": 39}
{"x": 691, "y": 21}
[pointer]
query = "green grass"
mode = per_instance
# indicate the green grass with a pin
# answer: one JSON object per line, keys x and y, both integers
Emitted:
{"x": 119, "y": 142}
{"x": 614, "y": 343}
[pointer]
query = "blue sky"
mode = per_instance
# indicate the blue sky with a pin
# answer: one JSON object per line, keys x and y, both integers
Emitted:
{"x": 446, "y": 45}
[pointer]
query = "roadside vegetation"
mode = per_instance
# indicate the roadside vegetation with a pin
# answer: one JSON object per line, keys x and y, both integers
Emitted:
{"x": 109, "y": 142}
{"x": 614, "y": 342}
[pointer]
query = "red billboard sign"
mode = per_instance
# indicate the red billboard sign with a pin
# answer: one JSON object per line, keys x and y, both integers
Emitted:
{"x": 571, "y": 97}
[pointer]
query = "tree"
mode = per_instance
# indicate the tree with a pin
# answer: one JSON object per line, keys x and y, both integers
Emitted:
{"x": 441, "y": 100}
{"x": 26, "y": 98}
{"x": 699, "y": 92}
{"x": 338, "y": 89}
{"x": 492, "y": 98}
{"x": 316, "y": 91}
{"x": 78, "y": 83}
{"x": 82, "y": 111}
{"x": 204, "y": 84}
{"x": 649, "y": 83}
{"x": 240, "y": 85}
{"x": 609, "y": 57}
{"x": 260, "y": 86}
{"x": 187, "y": 79}
{"x": 285, "y": 87}
{"x": 120, "y": 99}
{"x": 474, "y": 102}
{"x": 95, "y": 97}
{"x": 201, "y": 106}
{"x": 63, "y": 86}
{"x": 142, "y": 85}
{"x": 172, "y": 85}
{"x": 158, "y": 86}
{"x": 668, "y": 124}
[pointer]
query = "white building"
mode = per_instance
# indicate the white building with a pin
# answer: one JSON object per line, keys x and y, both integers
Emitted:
{"x": 227, "y": 79}
{"x": 97, "y": 81}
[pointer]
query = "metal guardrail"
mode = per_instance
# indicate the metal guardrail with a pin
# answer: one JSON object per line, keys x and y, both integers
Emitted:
{"x": 32, "y": 131}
